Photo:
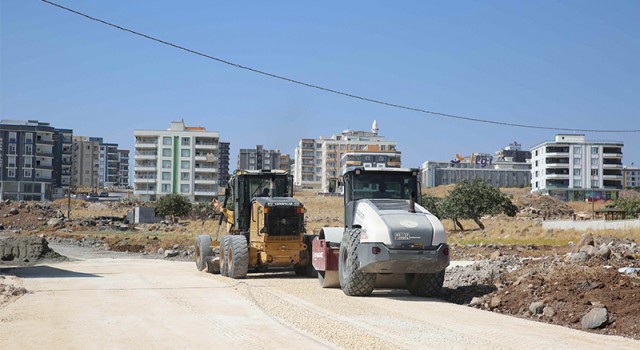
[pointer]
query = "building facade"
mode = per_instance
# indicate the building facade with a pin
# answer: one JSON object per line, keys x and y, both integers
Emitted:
{"x": 433, "y": 174}
{"x": 123, "y": 169}
{"x": 510, "y": 167}
{"x": 318, "y": 161}
{"x": 285, "y": 162}
{"x": 225, "y": 156}
{"x": 572, "y": 168}
{"x": 86, "y": 162}
{"x": 182, "y": 159}
{"x": 259, "y": 158}
{"x": 631, "y": 176}
{"x": 35, "y": 161}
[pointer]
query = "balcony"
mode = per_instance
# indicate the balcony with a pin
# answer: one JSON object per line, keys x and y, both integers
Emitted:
{"x": 205, "y": 181}
{"x": 146, "y": 144}
{"x": 139, "y": 192}
{"x": 145, "y": 180}
{"x": 612, "y": 166}
{"x": 557, "y": 150}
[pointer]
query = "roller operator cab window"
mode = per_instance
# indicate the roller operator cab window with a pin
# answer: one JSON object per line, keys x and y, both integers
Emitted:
{"x": 386, "y": 185}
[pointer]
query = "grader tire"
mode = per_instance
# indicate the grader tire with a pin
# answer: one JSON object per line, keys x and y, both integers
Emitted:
{"x": 307, "y": 270}
{"x": 352, "y": 281}
{"x": 203, "y": 251}
{"x": 237, "y": 257}
{"x": 224, "y": 263}
{"x": 425, "y": 284}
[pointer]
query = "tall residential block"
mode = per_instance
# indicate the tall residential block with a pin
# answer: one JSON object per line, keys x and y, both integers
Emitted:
{"x": 86, "y": 162}
{"x": 35, "y": 161}
{"x": 181, "y": 160}
{"x": 258, "y": 158}
{"x": 572, "y": 168}
{"x": 225, "y": 156}
{"x": 318, "y": 161}
{"x": 123, "y": 169}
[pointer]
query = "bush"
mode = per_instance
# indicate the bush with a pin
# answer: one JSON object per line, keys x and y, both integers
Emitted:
{"x": 173, "y": 205}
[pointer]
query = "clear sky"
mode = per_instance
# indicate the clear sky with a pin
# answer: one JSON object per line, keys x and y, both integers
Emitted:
{"x": 570, "y": 64}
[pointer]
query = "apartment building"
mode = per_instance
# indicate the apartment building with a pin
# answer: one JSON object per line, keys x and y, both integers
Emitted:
{"x": 181, "y": 159}
{"x": 35, "y": 160}
{"x": 631, "y": 176}
{"x": 285, "y": 162}
{"x": 572, "y": 168}
{"x": 123, "y": 168}
{"x": 318, "y": 161}
{"x": 225, "y": 156}
{"x": 86, "y": 162}
{"x": 259, "y": 158}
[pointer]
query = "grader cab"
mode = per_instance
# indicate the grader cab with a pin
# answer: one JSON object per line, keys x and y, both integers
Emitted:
{"x": 264, "y": 228}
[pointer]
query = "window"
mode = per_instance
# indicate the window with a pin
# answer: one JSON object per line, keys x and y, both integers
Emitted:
{"x": 577, "y": 150}
{"x": 594, "y": 172}
{"x": 166, "y": 164}
{"x": 11, "y": 161}
{"x": 12, "y": 149}
{"x": 185, "y": 152}
{"x": 383, "y": 148}
{"x": 166, "y": 175}
{"x": 28, "y": 162}
{"x": 27, "y": 173}
{"x": 594, "y": 161}
{"x": 11, "y": 173}
{"x": 166, "y": 152}
{"x": 166, "y": 188}
{"x": 185, "y": 164}
{"x": 577, "y": 161}
{"x": 166, "y": 140}
{"x": 576, "y": 172}
{"x": 184, "y": 176}
{"x": 537, "y": 173}
{"x": 28, "y": 149}
{"x": 594, "y": 150}
{"x": 577, "y": 183}
{"x": 186, "y": 141}
{"x": 595, "y": 183}
{"x": 12, "y": 136}
{"x": 536, "y": 163}
{"x": 28, "y": 137}
{"x": 343, "y": 147}
{"x": 536, "y": 155}
{"x": 184, "y": 188}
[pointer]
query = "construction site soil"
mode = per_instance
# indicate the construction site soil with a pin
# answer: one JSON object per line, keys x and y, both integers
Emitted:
{"x": 585, "y": 281}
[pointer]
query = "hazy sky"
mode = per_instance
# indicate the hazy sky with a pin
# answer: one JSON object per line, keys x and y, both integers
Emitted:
{"x": 570, "y": 64}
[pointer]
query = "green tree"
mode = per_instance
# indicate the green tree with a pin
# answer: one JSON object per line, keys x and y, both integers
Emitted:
{"x": 630, "y": 202}
{"x": 432, "y": 204}
{"x": 173, "y": 205}
{"x": 474, "y": 199}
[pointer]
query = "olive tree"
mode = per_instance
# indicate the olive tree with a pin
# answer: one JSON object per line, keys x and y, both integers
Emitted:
{"x": 173, "y": 205}
{"x": 473, "y": 199}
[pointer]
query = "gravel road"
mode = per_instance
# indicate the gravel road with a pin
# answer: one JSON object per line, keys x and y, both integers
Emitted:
{"x": 121, "y": 301}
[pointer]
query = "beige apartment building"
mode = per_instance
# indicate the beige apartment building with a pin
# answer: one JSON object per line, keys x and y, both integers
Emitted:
{"x": 318, "y": 161}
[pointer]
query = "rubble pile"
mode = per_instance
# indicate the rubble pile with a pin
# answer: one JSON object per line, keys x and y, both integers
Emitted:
{"x": 594, "y": 286}
{"x": 535, "y": 206}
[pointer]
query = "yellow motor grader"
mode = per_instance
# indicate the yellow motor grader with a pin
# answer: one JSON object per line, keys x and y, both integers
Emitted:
{"x": 264, "y": 228}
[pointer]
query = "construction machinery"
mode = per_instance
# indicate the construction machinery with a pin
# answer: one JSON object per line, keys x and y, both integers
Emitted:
{"x": 388, "y": 240}
{"x": 264, "y": 228}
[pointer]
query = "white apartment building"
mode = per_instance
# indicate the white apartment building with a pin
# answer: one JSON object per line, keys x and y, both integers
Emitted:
{"x": 181, "y": 160}
{"x": 317, "y": 161}
{"x": 572, "y": 168}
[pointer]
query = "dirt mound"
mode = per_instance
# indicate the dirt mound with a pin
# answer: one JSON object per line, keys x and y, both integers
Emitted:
{"x": 601, "y": 273}
{"x": 537, "y": 206}
{"x": 25, "y": 250}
